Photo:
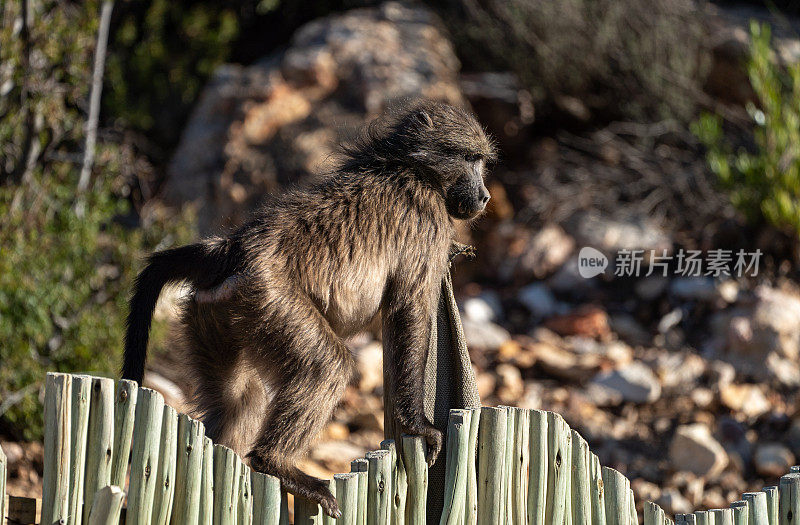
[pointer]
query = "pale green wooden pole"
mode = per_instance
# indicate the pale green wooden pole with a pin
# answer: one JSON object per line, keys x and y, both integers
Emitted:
{"x": 144, "y": 460}
{"x": 124, "y": 417}
{"x": 106, "y": 505}
{"x": 417, "y": 476}
{"x": 632, "y": 509}
{"x": 165, "y": 473}
{"x": 284, "y": 508}
{"x": 722, "y": 516}
{"x": 361, "y": 468}
{"x": 188, "y": 471}
{"x": 379, "y": 487}
{"x": 471, "y": 505}
{"x": 520, "y": 464}
{"x": 537, "y": 473}
{"x": 225, "y": 485}
{"x": 757, "y": 505}
{"x": 327, "y": 520}
{"x": 455, "y": 490}
{"x": 651, "y": 516}
{"x": 491, "y": 465}
{"x": 399, "y": 483}
{"x": 702, "y": 518}
{"x": 205, "y": 514}
{"x": 773, "y": 511}
{"x": 266, "y": 499}
{"x": 559, "y": 455}
{"x": 79, "y": 425}
{"x": 687, "y": 519}
{"x": 244, "y": 511}
{"x": 597, "y": 491}
{"x": 616, "y": 497}
{"x": 3, "y": 478}
{"x": 100, "y": 441}
{"x": 741, "y": 512}
{"x": 306, "y": 512}
{"x": 581, "y": 491}
{"x": 57, "y": 445}
{"x": 347, "y": 496}
{"x": 789, "y": 498}
{"x": 508, "y": 463}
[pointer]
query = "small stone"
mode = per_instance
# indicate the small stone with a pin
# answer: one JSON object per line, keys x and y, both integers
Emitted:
{"x": 633, "y": 383}
{"x": 747, "y": 399}
{"x": 546, "y": 251}
{"x": 484, "y": 308}
{"x": 509, "y": 383}
{"x": 773, "y": 460}
{"x": 695, "y": 450}
{"x": 485, "y": 335}
{"x": 587, "y": 320}
{"x": 538, "y": 299}
{"x": 694, "y": 288}
{"x": 702, "y": 397}
{"x": 673, "y": 502}
{"x": 486, "y": 383}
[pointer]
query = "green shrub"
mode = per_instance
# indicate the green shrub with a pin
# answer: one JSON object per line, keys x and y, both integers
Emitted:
{"x": 763, "y": 180}
{"x": 620, "y": 59}
{"x": 64, "y": 279}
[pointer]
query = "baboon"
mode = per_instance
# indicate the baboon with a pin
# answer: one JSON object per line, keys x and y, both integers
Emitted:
{"x": 273, "y": 300}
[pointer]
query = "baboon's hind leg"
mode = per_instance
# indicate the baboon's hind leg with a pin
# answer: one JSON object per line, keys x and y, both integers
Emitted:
{"x": 317, "y": 368}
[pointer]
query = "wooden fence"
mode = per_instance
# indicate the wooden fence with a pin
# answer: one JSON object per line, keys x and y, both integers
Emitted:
{"x": 505, "y": 466}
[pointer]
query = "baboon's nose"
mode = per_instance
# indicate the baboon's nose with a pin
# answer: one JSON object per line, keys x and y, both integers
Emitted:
{"x": 483, "y": 196}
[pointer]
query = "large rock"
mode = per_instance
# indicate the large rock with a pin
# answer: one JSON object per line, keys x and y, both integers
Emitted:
{"x": 762, "y": 339}
{"x": 695, "y": 450}
{"x": 260, "y": 127}
{"x": 633, "y": 383}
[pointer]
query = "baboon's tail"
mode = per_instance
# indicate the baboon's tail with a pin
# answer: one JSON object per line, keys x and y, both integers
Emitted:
{"x": 202, "y": 264}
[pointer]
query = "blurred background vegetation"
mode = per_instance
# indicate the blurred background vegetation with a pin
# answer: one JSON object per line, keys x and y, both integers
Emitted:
{"x": 64, "y": 277}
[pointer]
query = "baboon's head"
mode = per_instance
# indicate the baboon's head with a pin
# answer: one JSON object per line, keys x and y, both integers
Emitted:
{"x": 444, "y": 144}
{"x": 451, "y": 146}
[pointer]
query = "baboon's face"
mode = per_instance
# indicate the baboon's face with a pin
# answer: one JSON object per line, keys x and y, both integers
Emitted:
{"x": 454, "y": 148}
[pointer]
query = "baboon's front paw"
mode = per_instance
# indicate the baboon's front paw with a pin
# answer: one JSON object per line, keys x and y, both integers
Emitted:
{"x": 433, "y": 437}
{"x": 329, "y": 504}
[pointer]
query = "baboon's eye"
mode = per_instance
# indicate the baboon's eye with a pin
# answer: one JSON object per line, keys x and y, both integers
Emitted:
{"x": 472, "y": 157}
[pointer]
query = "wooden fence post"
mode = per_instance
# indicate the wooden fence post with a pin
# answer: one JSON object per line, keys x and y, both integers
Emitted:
{"x": 360, "y": 467}
{"x": 702, "y": 518}
{"x": 520, "y": 464}
{"x": 145, "y": 458}
{"x": 266, "y": 499}
{"x": 491, "y": 466}
{"x": 581, "y": 491}
{"x": 206, "y": 510}
{"x": 417, "y": 476}
{"x": 537, "y": 472}
{"x": 399, "y": 483}
{"x": 244, "y": 509}
{"x": 188, "y": 472}
{"x": 347, "y": 496}
{"x": 616, "y": 497}
{"x": 225, "y": 485}
{"x": 100, "y": 441}
{"x": 3, "y": 477}
{"x": 559, "y": 456}
{"x": 106, "y": 506}
{"x": 741, "y": 512}
{"x": 455, "y": 490}
{"x": 379, "y": 487}
{"x": 773, "y": 510}
{"x": 722, "y": 516}
{"x": 124, "y": 410}
{"x": 508, "y": 461}
{"x": 471, "y": 504}
{"x": 597, "y": 491}
{"x": 57, "y": 448}
{"x": 789, "y": 498}
{"x": 758, "y": 514}
{"x": 79, "y": 425}
{"x": 165, "y": 473}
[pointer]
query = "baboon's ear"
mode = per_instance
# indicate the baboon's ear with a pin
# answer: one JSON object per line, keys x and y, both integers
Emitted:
{"x": 424, "y": 118}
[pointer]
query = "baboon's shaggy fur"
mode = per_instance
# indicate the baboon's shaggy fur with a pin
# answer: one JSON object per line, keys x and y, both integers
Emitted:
{"x": 313, "y": 266}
